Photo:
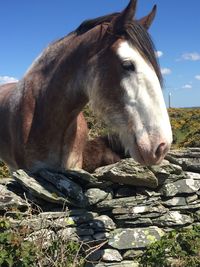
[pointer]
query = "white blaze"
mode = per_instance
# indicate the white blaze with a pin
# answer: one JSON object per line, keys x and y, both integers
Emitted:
{"x": 144, "y": 102}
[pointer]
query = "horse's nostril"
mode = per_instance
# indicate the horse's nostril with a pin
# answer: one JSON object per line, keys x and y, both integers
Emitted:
{"x": 161, "y": 150}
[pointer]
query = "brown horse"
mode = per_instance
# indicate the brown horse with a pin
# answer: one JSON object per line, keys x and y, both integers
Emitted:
{"x": 109, "y": 62}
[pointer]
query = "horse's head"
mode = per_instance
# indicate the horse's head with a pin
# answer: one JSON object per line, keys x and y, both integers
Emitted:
{"x": 127, "y": 90}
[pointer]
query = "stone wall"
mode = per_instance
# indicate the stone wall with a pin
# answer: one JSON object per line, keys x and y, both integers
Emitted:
{"x": 118, "y": 210}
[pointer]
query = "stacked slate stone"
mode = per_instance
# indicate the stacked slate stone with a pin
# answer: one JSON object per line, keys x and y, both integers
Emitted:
{"x": 118, "y": 210}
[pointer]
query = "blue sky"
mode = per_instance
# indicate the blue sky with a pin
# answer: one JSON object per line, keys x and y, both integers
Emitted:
{"x": 28, "y": 26}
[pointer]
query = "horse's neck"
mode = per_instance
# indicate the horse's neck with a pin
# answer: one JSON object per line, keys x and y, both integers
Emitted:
{"x": 56, "y": 79}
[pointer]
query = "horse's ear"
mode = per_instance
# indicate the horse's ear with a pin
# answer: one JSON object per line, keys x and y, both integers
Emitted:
{"x": 124, "y": 17}
{"x": 147, "y": 20}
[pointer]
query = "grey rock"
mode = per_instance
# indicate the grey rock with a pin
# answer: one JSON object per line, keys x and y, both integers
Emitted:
{"x": 139, "y": 210}
{"x": 121, "y": 202}
{"x": 111, "y": 255}
{"x": 66, "y": 186}
{"x": 191, "y": 199}
{"x": 185, "y": 186}
{"x": 192, "y": 152}
{"x": 131, "y": 254}
{"x": 163, "y": 171}
{"x": 190, "y": 207}
{"x": 102, "y": 222}
{"x": 95, "y": 195}
{"x": 193, "y": 175}
{"x": 76, "y": 219}
{"x": 134, "y": 238}
{"x": 32, "y": 223}
{"x": 175, "y": 201}
{"x": 127, "y": 171}
{"x": 45, "y": 192}
{"x": 116, "y": 264}
{"x": 9, "y": 200}
{"x": 173, "y": 218}
{"x": 188, "y": 163}
{"x": 81, "y": 177}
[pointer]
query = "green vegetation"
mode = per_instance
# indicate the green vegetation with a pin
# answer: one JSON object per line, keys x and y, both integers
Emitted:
{"x": 179, "y": 248}
{"x": 17, "y": 250}
{"x": 185, "y": 126}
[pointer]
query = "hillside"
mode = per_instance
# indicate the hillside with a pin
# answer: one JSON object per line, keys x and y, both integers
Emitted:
{"x": 185, "y": 126}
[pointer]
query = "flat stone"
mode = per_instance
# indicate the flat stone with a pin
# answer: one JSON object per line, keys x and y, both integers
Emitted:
{"x": 172, "y": 218}
{"x": 191, "y": 199}
{"x": 140, "y": 222}
{"x": 192, "y": 152}
{"x": 45, "y": 192}
{"x": 127, "y": 171}
{"x": 139, "y": 210}
{"x": 185, "y": 186}
{"x": 111, "y": 255}
{"x": 190, "y": 207}
{"x": 80, "y": 176}
{"x": 187, "y": 163}
{"x": 131, "y": 254}
{"x": 102, "y": 222}
{"x": 134, "y": 238}
{"x": 193, "y": 175}
{"x": 75, "y": 220}
{"x": 175, "y": 201}
{"x": 66, "y": 186}
{"x": 9, "y": 200}
{"x": 121, "y": 202}
{"x": 116, "y": 264}
{"x": 95, "y": 195}
{"x": 163, "y": 171}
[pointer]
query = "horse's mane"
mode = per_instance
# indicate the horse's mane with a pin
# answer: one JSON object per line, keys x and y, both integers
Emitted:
{"x": 90, "y": 24}
{"x": 136, "y": 33}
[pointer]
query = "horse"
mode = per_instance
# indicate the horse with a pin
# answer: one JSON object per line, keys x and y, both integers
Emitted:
{"x": 109, "y": 62}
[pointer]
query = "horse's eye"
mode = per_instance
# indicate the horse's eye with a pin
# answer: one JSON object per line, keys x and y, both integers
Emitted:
{"x": 128, "y": 66}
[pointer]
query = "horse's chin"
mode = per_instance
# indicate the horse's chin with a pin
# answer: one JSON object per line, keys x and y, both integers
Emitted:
{"x": 131, "y": 148}
{"x": 135, "y": 154}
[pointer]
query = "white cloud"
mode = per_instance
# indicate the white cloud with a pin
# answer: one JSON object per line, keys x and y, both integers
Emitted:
{"x": 159, "y": 53}
{"x": 191, "y": 56}
{"x": 197, "y": 77}
{"x": 7, "y": 79}
{"x": 166, "y": 71}
{"x": 187, "y": 86}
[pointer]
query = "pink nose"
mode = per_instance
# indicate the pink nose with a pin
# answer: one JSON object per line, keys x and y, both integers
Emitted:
{"x": 161, "y": 151}
{"x": 155, "y": 156}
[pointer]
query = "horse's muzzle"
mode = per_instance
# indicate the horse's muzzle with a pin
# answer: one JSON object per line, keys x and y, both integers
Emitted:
{"x": 155, "y": 155}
